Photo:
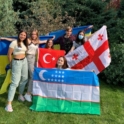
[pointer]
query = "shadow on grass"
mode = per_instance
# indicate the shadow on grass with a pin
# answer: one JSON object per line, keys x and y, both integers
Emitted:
{"x": 112, "y": 87}
{"x": 3, "y": 98}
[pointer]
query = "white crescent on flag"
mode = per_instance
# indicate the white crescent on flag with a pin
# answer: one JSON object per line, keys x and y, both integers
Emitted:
{"x": 44, "y": 57}
{"x": 41, "y": 74}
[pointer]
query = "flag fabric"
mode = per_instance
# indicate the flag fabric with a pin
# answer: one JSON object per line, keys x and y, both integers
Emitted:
{"x": 93, "y": 55}
{"x": 47, "y": 58}
{"x": 4, "y": 45}
{"x": 65, "y": 91}
{"x": 6, "y": 82}
{"x": 75, "y": 30}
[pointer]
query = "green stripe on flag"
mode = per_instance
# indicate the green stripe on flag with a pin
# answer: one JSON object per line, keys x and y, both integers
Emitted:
{"x": 64, "y": 106}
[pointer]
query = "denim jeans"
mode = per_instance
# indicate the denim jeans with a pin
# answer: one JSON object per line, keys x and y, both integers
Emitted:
{"x": 19, "y": 77}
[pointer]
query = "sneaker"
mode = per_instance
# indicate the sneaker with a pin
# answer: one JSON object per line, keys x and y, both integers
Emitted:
{"x": 21, "y": 98}
{"x": 8, "y": 108}
{"x": 28, "y": 97}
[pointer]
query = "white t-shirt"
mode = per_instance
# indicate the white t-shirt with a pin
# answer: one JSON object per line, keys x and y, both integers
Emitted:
{"x": 18, "y": 50}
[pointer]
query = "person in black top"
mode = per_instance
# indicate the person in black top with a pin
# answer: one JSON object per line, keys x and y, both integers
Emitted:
{"x": 66, "y": 41}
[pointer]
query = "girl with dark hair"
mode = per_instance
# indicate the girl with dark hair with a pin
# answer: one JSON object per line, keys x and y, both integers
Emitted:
{"x": 19, "y": 68}
{"x": 49, "y": 44}
{"x": 80, "y": 39}
{"x": 61, "y": 63}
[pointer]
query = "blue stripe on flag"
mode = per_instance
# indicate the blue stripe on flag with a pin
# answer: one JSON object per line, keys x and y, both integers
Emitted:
{"x": 75, "y": 30}
{"x": 65, "y": 76}
{"x": 4, "y": 45}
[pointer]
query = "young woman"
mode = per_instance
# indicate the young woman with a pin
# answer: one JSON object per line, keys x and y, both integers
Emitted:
{"x": 61, "y": 63}
{"x": 80, "y": 39}
{"x": 33, "y": 43}
{"x": 49, "y": 44}
{"x": 19, "y": 68}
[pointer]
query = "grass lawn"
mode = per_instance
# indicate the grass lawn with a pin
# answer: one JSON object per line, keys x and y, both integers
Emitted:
{"x": 112, "y": 110}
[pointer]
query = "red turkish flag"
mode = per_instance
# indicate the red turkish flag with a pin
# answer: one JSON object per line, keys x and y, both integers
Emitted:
{"x": 47, "y": 58}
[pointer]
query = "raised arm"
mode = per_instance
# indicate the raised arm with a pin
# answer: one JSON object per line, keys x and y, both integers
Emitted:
{"x": 45, "y": 41}
{"x": 42, "y": 41}
{"x": 8, "y": 39}
{"x": 91, "y": 26}
{"x": 72, "y": 49}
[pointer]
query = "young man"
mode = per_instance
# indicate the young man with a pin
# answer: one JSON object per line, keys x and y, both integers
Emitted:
{"x": 66, "y": 41}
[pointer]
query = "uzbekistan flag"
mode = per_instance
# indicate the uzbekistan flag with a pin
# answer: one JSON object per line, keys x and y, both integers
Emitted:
{"x": 65, "y": 91}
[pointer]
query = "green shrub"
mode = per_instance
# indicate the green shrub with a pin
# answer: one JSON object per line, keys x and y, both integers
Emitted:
{"x": 114, "y": 74}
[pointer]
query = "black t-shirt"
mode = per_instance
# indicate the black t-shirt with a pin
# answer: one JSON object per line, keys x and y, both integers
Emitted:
{"x": 67, "y": 44}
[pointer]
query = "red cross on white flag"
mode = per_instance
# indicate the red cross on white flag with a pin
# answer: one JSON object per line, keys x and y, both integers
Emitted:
{"x": 93, "y": 55}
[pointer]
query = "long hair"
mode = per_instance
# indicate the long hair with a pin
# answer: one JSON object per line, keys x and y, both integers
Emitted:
{"x": 78, "y": 40}
{"x": 46, "y": 46}
{"x": 25, "y": 41}
{"x": 37, "y": 33}
{"x": 65, "y": 65}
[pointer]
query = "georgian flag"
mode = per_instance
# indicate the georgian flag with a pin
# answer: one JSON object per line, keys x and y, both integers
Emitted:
{"x": 47, "y": 58}
{"x": 93, "y": 55}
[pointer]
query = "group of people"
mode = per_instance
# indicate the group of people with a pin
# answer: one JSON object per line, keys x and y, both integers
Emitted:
{"x": 22, "y": 57}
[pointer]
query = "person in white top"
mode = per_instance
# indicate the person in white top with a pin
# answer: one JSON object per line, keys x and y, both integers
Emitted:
{"x": 19, "y": 68}
{"x": 33, "y": 44}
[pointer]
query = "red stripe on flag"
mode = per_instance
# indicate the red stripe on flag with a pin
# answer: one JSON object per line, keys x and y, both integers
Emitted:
{"x": 88, "y": 59}
{"x": 98, "y": 52}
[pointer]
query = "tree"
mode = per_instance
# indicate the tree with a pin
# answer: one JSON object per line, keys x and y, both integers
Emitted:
{"x": 87, "y": 12}
{"x": 121, "y": 9}
{"x": 8, "y": 18}
{"x": 42, "y": 15}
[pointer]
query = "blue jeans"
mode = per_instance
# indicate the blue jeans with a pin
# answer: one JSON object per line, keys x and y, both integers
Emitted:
{"x": 19, "y": 77}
